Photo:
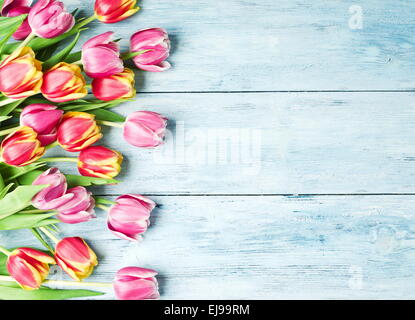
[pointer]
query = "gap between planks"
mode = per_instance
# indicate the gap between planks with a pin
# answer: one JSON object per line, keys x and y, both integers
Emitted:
{"x": 260, "y": 194}
{"x": 278, "y": 91}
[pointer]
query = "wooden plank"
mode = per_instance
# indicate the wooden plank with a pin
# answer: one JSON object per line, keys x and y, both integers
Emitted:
{"x": 273, "y": 143}
{"x": 277, "y": 45}
{"x": 265, "y": 247}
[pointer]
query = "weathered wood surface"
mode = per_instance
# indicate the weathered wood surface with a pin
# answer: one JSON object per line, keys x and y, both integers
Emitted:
{"x": 266, "y": 247}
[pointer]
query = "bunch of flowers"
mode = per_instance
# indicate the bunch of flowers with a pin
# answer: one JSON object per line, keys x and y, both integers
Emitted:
{"x": 46, "y": 102}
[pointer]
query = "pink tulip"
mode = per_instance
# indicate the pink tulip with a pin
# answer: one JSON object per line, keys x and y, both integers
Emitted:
{"x": 79, "y": 208}
{"x": 156, "y": 41}
{"x": 54, "y": 195}
{"x": 145, "y": 129}
{"x": 133, "y": 283}
{"x": 48, "y": 19}
{"x": 14, "y": 8}
{"x": 44, "y": 120}
{"x": 129, "y": 217}
{"x": 101, "y": 56}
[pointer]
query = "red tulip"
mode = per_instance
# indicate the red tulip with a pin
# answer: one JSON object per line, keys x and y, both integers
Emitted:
{"x": 29, "y": 267}
{"x": 111, "y": 11}
{"x": 117, "y": 86}
{"x": 100, "y": 162}
{"x": 77, "y": 131}
{"x": 21, "y": 147}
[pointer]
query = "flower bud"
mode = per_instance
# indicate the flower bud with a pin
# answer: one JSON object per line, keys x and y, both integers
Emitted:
{"x": 100, "y": 162}
{"x": 133, "y": 283}
{"x": 21, "y": 147}
{"x": 29, "y": 267}
{"x": 101, "y": 56}
{"x": 43, "y": 119}
{"x": 145, "y": 129}
{"x": 156, "y": 41}
{"x": 75, "y": 258}
{"x": 53, "y": 196}
{"x": 111, "y": 11}
{"x": 117, "y": 86}
{"x": 20, "y": 74}
{"x": 15, "y": 8}
{"x": 48, "y": 19}
{"x": 64, "y": 82}
{"x": 77, "y": 131}
{"x": 79, "y": 208}
{"x": 129, "y": 217}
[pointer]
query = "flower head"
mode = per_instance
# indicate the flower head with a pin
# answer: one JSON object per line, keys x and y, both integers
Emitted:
{"x": 100, "y": 162}
{"x": 111, "y": 11}
{"x": 133, "y": 283}
{"x": 117, "y": 86}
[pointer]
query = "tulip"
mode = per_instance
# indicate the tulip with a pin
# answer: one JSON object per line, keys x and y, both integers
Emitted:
{"x": 48, "y": 19}
{"x": 21, "y": 147}
{"x": 77, "y": 131}
{"x": 20, "y": 74}
{"x": 43, "y": 119}
{"x": 64, "y": 82}
{"x": 53, "y": 196}
{"x": 75, "y": 258}
{"x": 145, "y": 129}
{"x": 133, "y": 283}
{"x": 156, "y": 41}
{"x": 14, "y": 8}
{"x": 117, "y": 86}
{"x": 99, "y": 162}
{"x": 111, "y": 11}
{"x": 29, "y": 267}
{"x": 101, "y": 56}
{"x": 79, "y": 208}
{"x": 129, "y": 217}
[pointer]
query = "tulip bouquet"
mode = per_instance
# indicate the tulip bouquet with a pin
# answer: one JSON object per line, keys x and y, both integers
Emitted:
{"x": 47, "y": 102}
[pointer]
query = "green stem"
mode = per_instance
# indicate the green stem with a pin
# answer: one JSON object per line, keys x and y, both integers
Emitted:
{"x": 130, "y": 55}
{"x": 42, "y": 241}
{"x": 65, "y": 283}
{"x": 52, "y": 145}
{"x": 49, "y": 234}
{"x": 60, "y": 159}
{"x": 5, "y": 251}
{"x": 79, "y": 63}
{"x": 26, "y": 41}
{"x": 86, "y": 21}
{"x": 8, "y": 131}
{"x": 101, "y": 206}
{"x": 34, "y": 211}
{"x": 111, "y": 124}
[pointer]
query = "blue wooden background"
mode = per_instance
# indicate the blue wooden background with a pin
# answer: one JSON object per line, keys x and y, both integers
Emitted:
{"x": 289, "y": 168}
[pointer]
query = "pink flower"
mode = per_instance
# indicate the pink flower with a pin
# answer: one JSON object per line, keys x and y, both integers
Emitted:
{"x": 53, "y": 196}
{"x": 156, "y": 41}
{"x": 101, "y": 56}
{"x": 129, "y": 217}
{"x": 43, "y": 119}
{"x": 145, "y": 129}
{"x": 79, "y": 208}
{"x": 133, "y": 283}
{"x": 14, "y": 8}
{"x": 48, "y": 19}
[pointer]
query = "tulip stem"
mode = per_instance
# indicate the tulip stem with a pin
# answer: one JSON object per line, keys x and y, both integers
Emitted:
{"x": 130, "y": 55}
{"x": 5, "y": 251}
{"x": 52, "y": 145}
{"x": 7, "y": 131}
{"x": 65, "y": 283}
{"x": 101, "y": 206}
{"x": 79, "y": 63}
{"x": 60, "y": 159}
{"x": 111, "y": 124}
{"x": 25, "y": 42}
{"x": 49, "y": 234}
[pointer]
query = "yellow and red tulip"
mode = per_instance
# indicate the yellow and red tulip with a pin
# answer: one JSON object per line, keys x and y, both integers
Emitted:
{"x": 117, "y": 86}
{"x": 75, "y": 257}
{"x": 20, "y": 74}
{"x": 64, "y": 82}
{"x": 29, "y": 267}
{"x": 21, "y": 147}
{"x": 100, "y": 162}
{"x": 111, "y": 11}
{"x": 77, "y": 131}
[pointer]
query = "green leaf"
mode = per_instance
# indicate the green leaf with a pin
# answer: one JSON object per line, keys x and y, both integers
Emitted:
{"x": 28, "y": 178}
{"x": 15, "y": 293}
{"x": 7, "y": 109}
{"x": 18, "y": 199}
{"x": 4, "y": 118}
{"x": 107, "y": 115}
{"x": 61, "y": 56}
{"x": 75, "y": 180}
{"x": 5, "y": 190}
{"x": 10, "y": 172}
{"x": 11, "y": 25}
{"x": 2, "y": 185}
{"x": 99, "y": 200}
{"x": 26, "y": 221}
{"x": 73, "y": 57}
